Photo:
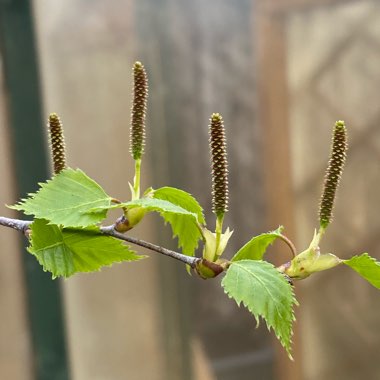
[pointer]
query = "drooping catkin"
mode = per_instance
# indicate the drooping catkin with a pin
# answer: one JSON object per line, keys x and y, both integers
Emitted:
{"x": 333, "y": 173}
{"x": 57, "y": 143}
{"x": 219, "y": 163}
{"x": 140, "y": 97}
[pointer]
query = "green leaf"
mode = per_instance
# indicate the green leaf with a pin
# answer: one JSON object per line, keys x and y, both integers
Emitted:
{"x": 367, "y": 267}
{"x": 64, "y": 252}
{"x": 266, "y": 293}
{"x": 187, "y": 231}
{"x": 148, "y": 204}
{"x": 257, "y": 246}
{"x": 65, "y": 200}
{"x": 180, "y": 198}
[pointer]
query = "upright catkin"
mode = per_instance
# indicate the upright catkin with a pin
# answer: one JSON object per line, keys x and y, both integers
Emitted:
{"x": 57, "y": 143}
{"x": 219, "y": 164}
{"x": 139, "y": 102}
{"x": 333, "y": 173}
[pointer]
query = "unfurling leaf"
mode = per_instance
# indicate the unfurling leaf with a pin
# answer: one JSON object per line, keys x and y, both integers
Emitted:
{"x": 66, "y": 199}
{"x": 310, "y": 261}
{"x": 367, "y": 267}
{"x": 64, "y": 252}
{"x": 187, "y": 232}
{"x": 266, "y": 293}
{"x": 257, "y": 246}
{"x": 212, "y": 250}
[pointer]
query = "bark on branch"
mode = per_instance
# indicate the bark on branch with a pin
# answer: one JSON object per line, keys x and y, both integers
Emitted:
{"x": 24, "y": 225}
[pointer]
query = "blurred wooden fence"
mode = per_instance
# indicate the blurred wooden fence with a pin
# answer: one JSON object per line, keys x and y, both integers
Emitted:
{"x": 280, "y": 73}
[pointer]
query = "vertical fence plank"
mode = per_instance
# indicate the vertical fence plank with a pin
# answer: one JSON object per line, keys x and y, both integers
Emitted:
{"x": 155, "y": 45}
{"x": 15, "y": 345}
{"x": 86, "y": 52}
{"x": 201, "y": 60}
{"x": 30, "y": 165}
{"x": 274, "y": 119}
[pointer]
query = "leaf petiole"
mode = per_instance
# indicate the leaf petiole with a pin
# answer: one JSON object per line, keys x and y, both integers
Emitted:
{"x": 136, "y": 180}
{"x": 218, "y": 233}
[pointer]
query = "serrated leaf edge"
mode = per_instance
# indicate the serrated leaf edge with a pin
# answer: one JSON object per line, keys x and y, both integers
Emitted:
{"x": 257, "y": 316}
{"x": 200, "y": 216}
{"x": 137, "y": 257}
{"x": 367, "y": 256}
{"x": 30, "y": 196}
{"x": 277, "y": 233}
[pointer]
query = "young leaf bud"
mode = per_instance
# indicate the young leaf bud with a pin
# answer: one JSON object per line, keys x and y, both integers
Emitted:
{"x": 57, "y": 143}
{"x": 208, "y": 269}
{"x": 333, "y": 173}
{"x": 140, "y": 97}
{"x": 219, "y": 165}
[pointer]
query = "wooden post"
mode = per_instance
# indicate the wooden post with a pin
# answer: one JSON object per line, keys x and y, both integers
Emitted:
{"x": 30, "y": 165}
{"x": 273, "y": 118}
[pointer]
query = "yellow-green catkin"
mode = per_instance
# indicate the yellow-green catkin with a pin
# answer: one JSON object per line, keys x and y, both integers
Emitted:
{"x": 140, "y": 97}
{"x": 57, "y": 143}
{"x": 333, "y": 173}
{"x": 219, "y": 163}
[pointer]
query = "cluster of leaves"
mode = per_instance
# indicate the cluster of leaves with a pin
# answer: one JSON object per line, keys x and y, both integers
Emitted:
{"x": 66, "y": 239}
{"x": 72, "y": 204}
{"x": 66, "y": 235}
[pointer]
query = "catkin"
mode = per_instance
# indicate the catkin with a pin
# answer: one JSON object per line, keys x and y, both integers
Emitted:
{"x": 333, "y": 173}
{"x": 57, "y": 143}
{"x": 140, "y": 97}
{"x": 219, "y": 165}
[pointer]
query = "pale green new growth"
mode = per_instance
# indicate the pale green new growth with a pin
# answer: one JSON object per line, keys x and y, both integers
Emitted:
{"x": 367, "y": 267}
{"x": 65, "y": 200}
{"x": 266, "y": 293}
{"x": 257, "y": 246}
{"x": 310, "y": 261}
{"x": 215, "y": 244}
{"x": 64, "y": 252}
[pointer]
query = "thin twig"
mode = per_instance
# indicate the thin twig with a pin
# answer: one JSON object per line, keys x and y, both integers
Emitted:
{"x": 289, "y": 243}
{"x": 23, "y": 226}
{"x": 16, "y": 224}
{"x": 110, "y": 231}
